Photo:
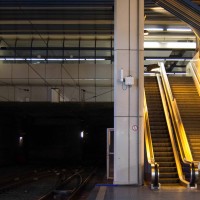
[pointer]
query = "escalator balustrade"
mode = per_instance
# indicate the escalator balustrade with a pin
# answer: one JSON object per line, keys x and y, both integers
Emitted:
{"x": 188, "y": 100}
{"x": 162, "y": 147}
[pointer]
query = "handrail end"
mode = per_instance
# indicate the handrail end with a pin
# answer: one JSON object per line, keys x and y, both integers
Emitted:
{"x": 157, "y": 187}
{"x": 192, "y": 186}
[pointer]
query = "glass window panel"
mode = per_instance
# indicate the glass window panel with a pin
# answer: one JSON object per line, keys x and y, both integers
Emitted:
{"x": 103, "y": 61}
{"x": 87, "y": 43}
{"x": 103, "y": 43}
{"x": 39, "y": 43}
{"x": 39, "y": 53}
{"x": 55, "y": 43}
{"x": 22, "y": 53}
{"x": 55, "y": 53}
{"x": 71, "y": 43}
{"x": 7, "y": 53}
{"x": 23, "y": 43}
{"x": 87, "y": 53}
{"x": 103, "y": 53}
{"x": 71, "y": 53}
{"x": 7, "y": 43}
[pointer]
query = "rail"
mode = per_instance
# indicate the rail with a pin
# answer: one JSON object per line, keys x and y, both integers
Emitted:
{"x": 154, "y": 167}
{"x": 195, "y": 76}
{"x": 180, "y": 133}
{"x": 68, "y": 189}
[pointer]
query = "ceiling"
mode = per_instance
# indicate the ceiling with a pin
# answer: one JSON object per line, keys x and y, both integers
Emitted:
{"x": 89, "y": 19}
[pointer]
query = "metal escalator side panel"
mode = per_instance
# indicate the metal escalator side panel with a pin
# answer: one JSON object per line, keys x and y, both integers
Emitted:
{"x": 149, "y": 150}
{"x": 185, "y": 12}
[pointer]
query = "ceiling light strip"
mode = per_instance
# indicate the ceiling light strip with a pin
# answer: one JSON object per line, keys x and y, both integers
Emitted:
{"x": 179, "y": 29}
{"x": 52, "y": 59}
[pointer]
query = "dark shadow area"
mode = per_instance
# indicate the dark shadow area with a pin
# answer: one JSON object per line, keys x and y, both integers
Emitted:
{"x": 50, "y": 133}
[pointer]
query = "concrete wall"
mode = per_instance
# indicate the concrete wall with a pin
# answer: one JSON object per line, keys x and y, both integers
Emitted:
{"x": 76, "y": 82}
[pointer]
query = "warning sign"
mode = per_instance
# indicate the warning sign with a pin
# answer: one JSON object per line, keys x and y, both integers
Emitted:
{"x": 135, "y": 128}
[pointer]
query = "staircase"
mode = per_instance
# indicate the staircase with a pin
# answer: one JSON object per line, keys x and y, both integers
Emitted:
{"x": 162, "y": 147}
{"x": 188, "y": 100}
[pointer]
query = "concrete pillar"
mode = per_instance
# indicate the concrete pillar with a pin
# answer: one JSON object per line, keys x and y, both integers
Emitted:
{"x": 128, "y": 100}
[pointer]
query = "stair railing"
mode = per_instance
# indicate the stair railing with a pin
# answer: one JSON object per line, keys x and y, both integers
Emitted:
{"x": 180, "y": 133}
{"x": 195, "y": 76}
{"x": 154, "y": 167}
{"x": 171, "y": 133}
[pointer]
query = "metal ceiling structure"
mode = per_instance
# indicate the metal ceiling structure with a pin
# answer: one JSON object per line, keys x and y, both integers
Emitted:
{"x": 87, "y": 19}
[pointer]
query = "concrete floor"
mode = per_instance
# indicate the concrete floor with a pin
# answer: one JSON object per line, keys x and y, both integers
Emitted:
{"x": 143, "y": 193}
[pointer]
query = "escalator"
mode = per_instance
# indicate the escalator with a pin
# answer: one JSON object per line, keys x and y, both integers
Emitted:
{"x": 186, "y": 10}
{"x": 188, "y": 100}
{"x": 162, "y": 147}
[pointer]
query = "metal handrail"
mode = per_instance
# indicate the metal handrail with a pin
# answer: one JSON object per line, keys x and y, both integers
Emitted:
{"x": 181, "y": 137}
{"x": 195, "y": 76}
{"x": 149, "y": 148}
{"x": 171, "y": 134}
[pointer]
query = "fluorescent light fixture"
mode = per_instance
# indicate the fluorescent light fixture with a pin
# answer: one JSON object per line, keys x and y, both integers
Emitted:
{"x": 157, "y": 8}
{"x": 51, "y": 59}
{"x": 74, "y": 59}
{"x": 146, "y": 32}
{"x": 20, "y": 141}
{"x": 170, "y": 45}
{"x": 179, "y": 73}
{"x": 154, "y": 29}
{"x": 55, "y": 59}
{"x": 19, "y": 58}
{"x": 179, "y": 29}
{"x": 175, "y": 59}
{"x": 82, "y": 134}
{"x": 95, "y": 59}
{"x": 159, "y": 59}
{"x": 152, "y": 45}
{"x": 15, "y": 59}
{"x": 35, "y": 59}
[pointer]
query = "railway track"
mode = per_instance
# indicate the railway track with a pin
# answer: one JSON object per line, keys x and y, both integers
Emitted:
{"x": 60, "y": 184}
{"x": 71, "y": 187}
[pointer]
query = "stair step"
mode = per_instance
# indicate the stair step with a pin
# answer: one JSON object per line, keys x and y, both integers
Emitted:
{"x": 164, "y": 159}
{"x": 168, "y": 180}
{"x": 163, "y": 154}
{"x": 167, "y": 169}
{"x": 160, "y": 136}
{"x": 167, "y": 164}
{"x": 164, "y": 144}
{"x": 168, "y": 175}
{"x": 163, "y": 149}
{"x": 164, "y": 140}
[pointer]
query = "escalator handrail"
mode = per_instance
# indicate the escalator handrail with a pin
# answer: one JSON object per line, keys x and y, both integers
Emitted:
{"x": 170, "y": 130}
{"x": 185, "y": 152}
{"x": 181, "y": 137}
{"x": 195, "y": 76}
{"x": 149, "y": 148}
